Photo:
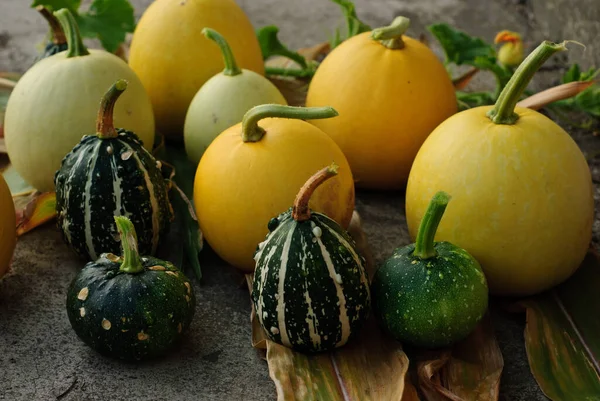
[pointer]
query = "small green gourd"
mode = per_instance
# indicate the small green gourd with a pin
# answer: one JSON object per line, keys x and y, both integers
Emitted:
{"x": 130, "y": 307}
{"x": 430, "y": 294}
{"x": 223, "y": 100}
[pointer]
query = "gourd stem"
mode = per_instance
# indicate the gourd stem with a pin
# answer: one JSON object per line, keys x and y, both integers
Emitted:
{"x": 231, "y": 67}
{"x": 69, "y": 25}
{"x": 391, "y": 36}
{"x": 300, "y": 210}
{"x": 424, "y": 244}
{"x": 251, "y": 132}
{"x": 105, "y": 127}
{"x": 58, "y": 35}
{"x": 129, "y": 244}
{"x": 504, "y": 109}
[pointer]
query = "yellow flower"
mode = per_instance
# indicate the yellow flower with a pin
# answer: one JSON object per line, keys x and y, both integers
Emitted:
{"x": 510, "y": 53}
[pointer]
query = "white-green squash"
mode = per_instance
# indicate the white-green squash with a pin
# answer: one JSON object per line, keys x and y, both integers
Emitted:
{"x": 223, "y": 100}
{"x": 57, "y": 100}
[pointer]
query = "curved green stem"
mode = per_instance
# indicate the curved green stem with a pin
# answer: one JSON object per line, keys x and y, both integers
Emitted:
{"x": 251, "y": 132}
{"x": 424, "y": 244}
{"x": 129, "y": 244}
{"x": 231, "y": 67}
{"x": 504, "y": 110}
{"x": 58, "y": 35}
{"x": 300, "y": 210}
{"x": 105, "y": 127}
{"x": 69, "y": 25}
{"x": 391, "y": 36}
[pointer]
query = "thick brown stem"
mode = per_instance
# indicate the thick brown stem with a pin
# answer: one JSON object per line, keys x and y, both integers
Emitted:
{"x": 58, "y": 35}
{"x": 105, "y": 127}
{"x": 300, "y": 210}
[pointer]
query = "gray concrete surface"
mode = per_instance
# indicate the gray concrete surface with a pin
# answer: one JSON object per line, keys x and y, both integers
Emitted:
{"x": 42, "y": 359}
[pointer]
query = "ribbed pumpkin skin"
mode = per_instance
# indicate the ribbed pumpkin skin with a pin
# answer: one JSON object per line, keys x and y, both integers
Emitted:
{"x": 130, "y": 316}
{"x": 409, "y": 293}
{"x": 8, "y": 232}
{"x": 310, "y": 293}
{"x": 103, "y": 178}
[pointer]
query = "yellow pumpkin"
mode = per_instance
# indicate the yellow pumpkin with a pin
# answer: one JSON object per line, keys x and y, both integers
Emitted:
{"x": 522, "y": 191}
{"x": 8, "y": 230}
{"x": 251, "y": 172}
{"x": 391, "y": 91}
{"x": 174, "y": 59}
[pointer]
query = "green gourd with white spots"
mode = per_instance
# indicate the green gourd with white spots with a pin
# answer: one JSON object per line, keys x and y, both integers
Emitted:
{"x": 310, "y": 289}
{"x": 130, "y": 307}
{"x": 430, "y": 294}
{"x": 110, "y": 174}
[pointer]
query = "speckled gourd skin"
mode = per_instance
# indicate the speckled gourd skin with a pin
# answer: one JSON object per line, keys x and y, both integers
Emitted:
{"x": 430, "y": 302}
{"x": 130, "y": 316}
{"x": 134, "y": 182}
{"x": 313, "y": 296}
{"x": 53, "y": 48}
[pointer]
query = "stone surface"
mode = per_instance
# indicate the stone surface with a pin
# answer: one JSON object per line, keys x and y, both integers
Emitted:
{"x": 42, "y": 359}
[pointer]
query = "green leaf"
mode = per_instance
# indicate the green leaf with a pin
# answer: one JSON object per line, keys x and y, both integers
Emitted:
{"x": 185, "y": 229}
{"x": 109, "y": 21}
{"x": 270, "y": 45}
{"x": 562, "y": 336}
{"x": 354, "y": 25}
{"x": 467, "y": 100}
{"x": 572, "y": 74}
{"x": 460, "y": 48}
{"x": 588, "y": 101}
{"x": 55, "y": 5}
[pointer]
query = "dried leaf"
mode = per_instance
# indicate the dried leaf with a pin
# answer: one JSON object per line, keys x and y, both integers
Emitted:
{"x": 38, "y": 209}
{"x": 560, "y": 92}
{"x": 372, "y": 367}
{"x": 462, "y": 81}
{"x": 562, "y": 335}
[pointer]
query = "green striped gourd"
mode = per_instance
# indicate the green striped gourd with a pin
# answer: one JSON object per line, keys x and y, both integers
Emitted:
{"x": 130, "y": 307}
{"x": 110, "y": 174}
{"x": 310, "y": 289}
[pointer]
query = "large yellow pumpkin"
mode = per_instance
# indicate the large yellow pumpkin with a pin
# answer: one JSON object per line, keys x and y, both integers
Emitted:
{"x": 390, "y": 95}
{"x": 251, "y": 173}
{"x": 174, "y": 59}
{"x": 8, "y": 230}
{"x": 522, "y": 194}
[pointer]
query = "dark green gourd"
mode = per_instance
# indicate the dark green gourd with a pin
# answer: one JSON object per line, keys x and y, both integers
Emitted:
{"x": 430, "y": 294}
{"x": 58, "y": 41}
{"x": 310, "y": 290}
{"x": 110, "y": 174}
{"x": 130, "y": 307}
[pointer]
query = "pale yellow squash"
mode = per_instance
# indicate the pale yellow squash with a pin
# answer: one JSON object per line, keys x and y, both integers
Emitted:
{"x": 390, "y": 95}
{"x": 522, "y": 192}
{"x": 8, "y": 230}
{"x": 174, "y": 59}
{"x": 252, "y": 171}
{"x": 57, "y": 100}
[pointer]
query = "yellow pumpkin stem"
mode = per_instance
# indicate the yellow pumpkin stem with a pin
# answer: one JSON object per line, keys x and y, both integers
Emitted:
{"x": 391, "y": 36}
{"x": 504, "y": 110}
{"x": 251, "y": 132}
{"x": 300, "y": 210}
{"x": 424, "y": 243}
{"x": 69, "y": 25}
{"x": 231, "y": 67}
{"x": 58, "y": 35}
{"x": 105, "y": 127}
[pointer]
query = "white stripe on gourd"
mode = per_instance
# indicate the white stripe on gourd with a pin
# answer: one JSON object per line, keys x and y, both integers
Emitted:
{"x": 117, "y": 185}
{"x": 309, "y": 255}
{"x": 66, "y": 223}
{"x": 87, "y": 198}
